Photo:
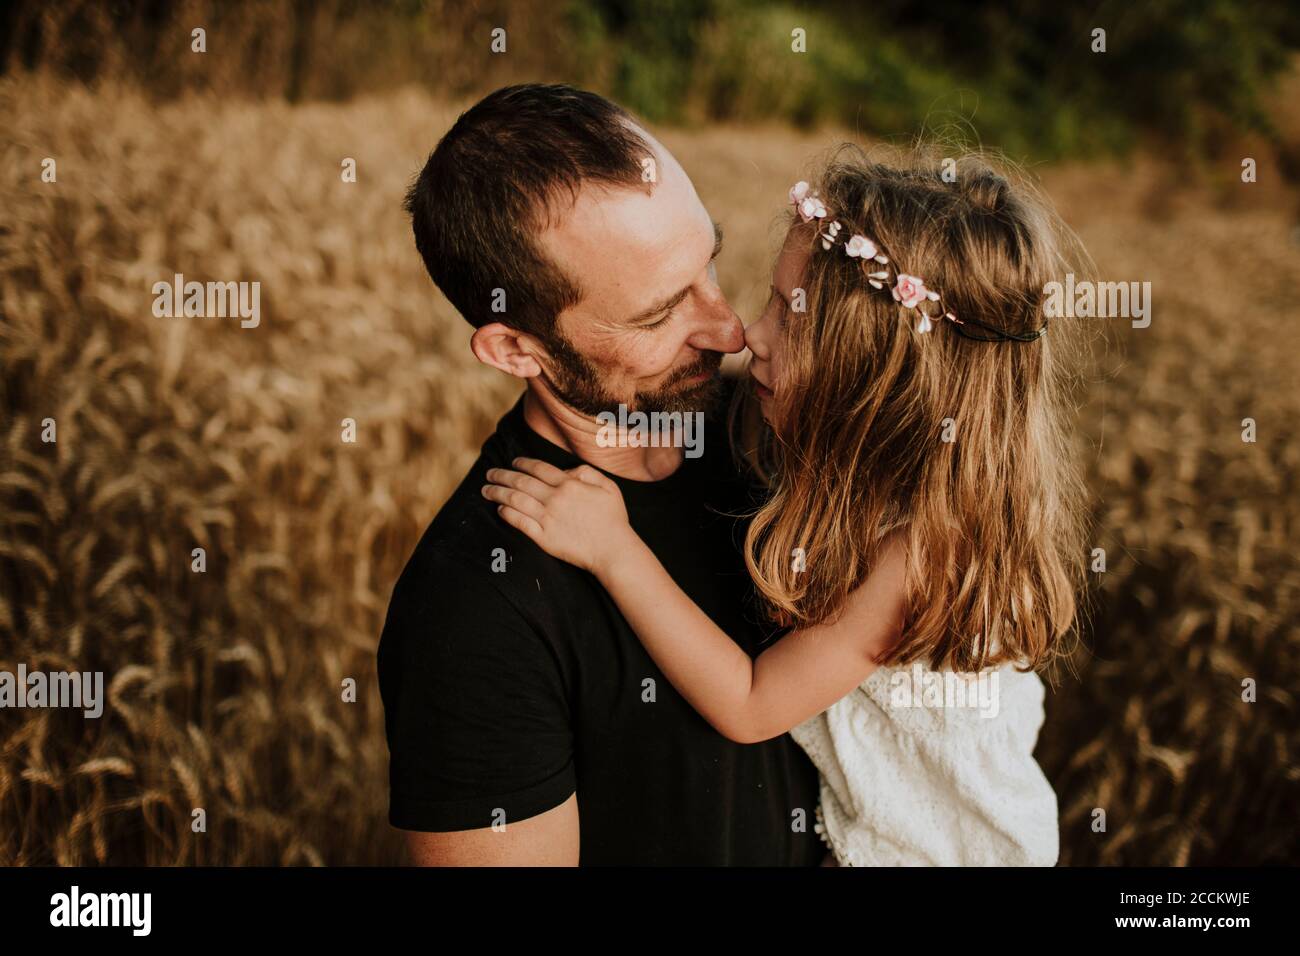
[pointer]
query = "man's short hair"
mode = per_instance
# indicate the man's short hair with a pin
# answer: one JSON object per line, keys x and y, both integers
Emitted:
{"x": 494, "y": 181}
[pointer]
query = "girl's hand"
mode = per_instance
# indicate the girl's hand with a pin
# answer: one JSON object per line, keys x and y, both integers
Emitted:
{"x": 577, "y": 516}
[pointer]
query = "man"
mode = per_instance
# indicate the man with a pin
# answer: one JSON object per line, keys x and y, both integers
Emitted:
{"x": 526, "y": 723}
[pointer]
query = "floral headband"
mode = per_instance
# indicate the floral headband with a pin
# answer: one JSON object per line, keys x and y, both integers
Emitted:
{"x": 908, "y": 290}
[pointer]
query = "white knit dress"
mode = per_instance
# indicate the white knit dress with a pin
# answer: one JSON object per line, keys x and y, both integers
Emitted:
{"x": 939, "y": 783}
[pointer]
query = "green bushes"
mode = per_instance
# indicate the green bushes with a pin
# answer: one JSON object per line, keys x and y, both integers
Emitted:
{"x": 1027, "y": 76}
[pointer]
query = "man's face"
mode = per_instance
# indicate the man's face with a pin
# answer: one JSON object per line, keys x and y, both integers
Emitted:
{"x": 652, "y": 325}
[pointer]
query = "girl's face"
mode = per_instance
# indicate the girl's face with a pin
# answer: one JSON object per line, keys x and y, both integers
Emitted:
{"x": 766, "y": 338}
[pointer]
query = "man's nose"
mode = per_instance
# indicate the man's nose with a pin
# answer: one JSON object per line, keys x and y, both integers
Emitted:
{"x": 721, "y": 329}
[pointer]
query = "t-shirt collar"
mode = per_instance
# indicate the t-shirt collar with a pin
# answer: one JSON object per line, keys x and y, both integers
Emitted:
{"x": 634, "y": 492}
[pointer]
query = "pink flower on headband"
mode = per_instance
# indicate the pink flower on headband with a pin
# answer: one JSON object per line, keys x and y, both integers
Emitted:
{"x": 911, "y": 290}
{"x": 798, "y": 191}
{"x": 861, "y": 247}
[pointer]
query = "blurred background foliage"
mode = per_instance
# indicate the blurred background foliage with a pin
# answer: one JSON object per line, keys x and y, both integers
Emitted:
{"x": 1191, "y": 70}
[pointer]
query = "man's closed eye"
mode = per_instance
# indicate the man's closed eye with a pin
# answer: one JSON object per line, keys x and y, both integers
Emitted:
{"x": 654, "y": 325}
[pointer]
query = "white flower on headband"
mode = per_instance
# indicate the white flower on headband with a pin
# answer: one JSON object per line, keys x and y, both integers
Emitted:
{"x": 808, "y": 206}
{"x": 910, "y": 290}
{"x": 860, "y": 246}
{"x": 831, "y": 235}
{"x": 811, "y": 208}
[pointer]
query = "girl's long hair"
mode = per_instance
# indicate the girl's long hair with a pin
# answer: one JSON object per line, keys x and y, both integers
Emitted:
{"x": 961, "y": 447}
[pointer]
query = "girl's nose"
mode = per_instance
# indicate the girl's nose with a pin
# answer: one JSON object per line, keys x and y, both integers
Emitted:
{"x": 756, "y": 341}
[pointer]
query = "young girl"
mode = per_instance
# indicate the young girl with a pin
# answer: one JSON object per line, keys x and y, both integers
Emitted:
{"x": 922, "y": 509}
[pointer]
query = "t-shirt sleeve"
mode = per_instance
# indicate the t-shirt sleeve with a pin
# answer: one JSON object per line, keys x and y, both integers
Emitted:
{"x": 475, "y": 711}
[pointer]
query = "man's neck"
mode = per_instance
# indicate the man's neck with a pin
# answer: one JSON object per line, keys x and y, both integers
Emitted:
{"x": 577, "y": 433}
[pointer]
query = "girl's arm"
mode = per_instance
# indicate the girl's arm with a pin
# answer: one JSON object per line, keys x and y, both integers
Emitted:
{"x": 579, "y": 516}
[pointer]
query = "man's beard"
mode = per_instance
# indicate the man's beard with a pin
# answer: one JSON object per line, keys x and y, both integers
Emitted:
{"x": 576, "y": 382}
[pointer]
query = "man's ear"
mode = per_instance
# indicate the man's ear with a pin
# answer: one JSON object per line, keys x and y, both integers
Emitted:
{"x": 507, "y": 349}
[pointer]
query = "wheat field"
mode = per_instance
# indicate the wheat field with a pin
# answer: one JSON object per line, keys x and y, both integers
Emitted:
{"x": 225, "y": 687}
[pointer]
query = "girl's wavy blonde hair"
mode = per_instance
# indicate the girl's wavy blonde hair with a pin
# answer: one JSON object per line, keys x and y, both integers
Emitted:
{"x": 993, "y": 520}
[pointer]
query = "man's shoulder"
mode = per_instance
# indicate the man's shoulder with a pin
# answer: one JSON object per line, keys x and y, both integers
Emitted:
{"x": 468, "y": 560}
{"x": 467, "y": 550}
{"x": 465, "y": 598}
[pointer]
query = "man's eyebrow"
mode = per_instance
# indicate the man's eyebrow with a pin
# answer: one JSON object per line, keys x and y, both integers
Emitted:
{"x": 675, "y": 300}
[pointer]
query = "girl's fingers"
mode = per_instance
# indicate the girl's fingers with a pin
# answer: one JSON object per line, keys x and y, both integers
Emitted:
{"x": 541, "y": 470}
{"x": 520, "y": 481}
{"x": 521, "y": 521}
{"x": 518, "y": 500}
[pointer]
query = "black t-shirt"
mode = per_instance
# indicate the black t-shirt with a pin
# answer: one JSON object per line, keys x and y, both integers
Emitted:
{"x": 506, "y": 691}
